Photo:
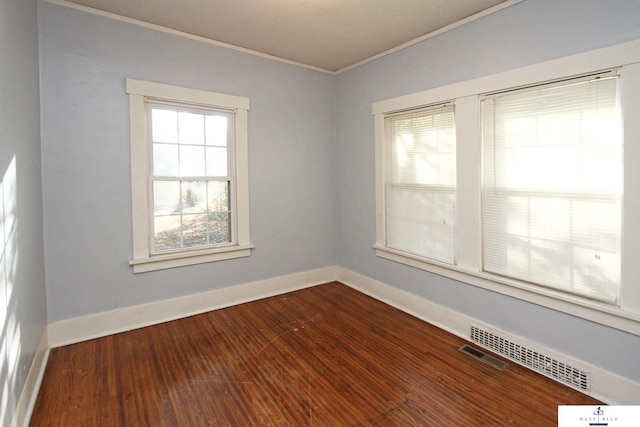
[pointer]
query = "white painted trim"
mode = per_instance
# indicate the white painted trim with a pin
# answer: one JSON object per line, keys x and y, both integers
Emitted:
{"x": 97, "y": 325}
{"x": 605, "y": 386}
{"x": 442, "y": 317}
{"x": 468, "y": 183}
{"x": 241, "y": 156}
{"x": 626, "y": 58}
{"x": 143, "y": 261}
{"x": 29, "y": 394}
{"x": 631, "y": 206}
{"x": 139, "y": 177}
{"x": 182, "y": 259}
{"x": 185, "y": 94}
{"x": 449, "y": 27}
{"x": 574, "y": 305}
{"x": 574, "y": 65}
{"x": 379, "y": 144}
{"x": 173, "y": 32}
{"x": 160, "y": 28}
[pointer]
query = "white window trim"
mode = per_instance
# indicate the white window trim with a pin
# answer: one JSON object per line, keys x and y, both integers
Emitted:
{"x": 142, "y": 261}
{"x": 466, "y": 96}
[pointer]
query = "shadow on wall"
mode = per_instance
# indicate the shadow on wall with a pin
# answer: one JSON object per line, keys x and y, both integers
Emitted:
{"x": 10, "y": 338}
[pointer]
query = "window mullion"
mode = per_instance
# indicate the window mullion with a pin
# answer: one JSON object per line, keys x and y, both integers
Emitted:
{"x": 468, "y": 173}
{"x": 630, "y": 106}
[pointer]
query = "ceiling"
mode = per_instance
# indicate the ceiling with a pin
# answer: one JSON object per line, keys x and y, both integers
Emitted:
{"x": 331, "y": 35}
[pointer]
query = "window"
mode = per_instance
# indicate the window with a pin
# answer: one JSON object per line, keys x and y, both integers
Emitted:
{"x": 420, "y": 182}
{"x": 544, "y": 191}
{"x": 189, "y": 176}
{"x": 552, "y": 182}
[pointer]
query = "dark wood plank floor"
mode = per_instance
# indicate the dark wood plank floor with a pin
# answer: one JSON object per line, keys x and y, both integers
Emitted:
{"x": 324, "y": 356}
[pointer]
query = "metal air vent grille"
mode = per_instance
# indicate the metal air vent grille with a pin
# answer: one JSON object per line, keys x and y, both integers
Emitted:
{"x": 548, "y": 366}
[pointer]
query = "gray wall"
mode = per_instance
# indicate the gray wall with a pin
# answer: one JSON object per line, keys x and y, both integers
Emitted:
{"x": 86, "y": 160}
{"x": 23, "y": 315}
{"x": 529, "y": 32}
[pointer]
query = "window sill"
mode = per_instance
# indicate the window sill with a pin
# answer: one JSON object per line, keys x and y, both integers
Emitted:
{"x": 606, "y": 314}
{"x": 181, "y": 259}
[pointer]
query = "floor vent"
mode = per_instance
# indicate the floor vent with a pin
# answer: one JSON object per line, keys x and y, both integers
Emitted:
{"x": 532, "y": 359}
{"x": 484, "y": 357}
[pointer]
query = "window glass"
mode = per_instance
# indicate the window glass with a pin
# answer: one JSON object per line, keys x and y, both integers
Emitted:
{"x": 191, "y": 182}
{"x": 420, "y": 183}
{"x": 552, "y": 183}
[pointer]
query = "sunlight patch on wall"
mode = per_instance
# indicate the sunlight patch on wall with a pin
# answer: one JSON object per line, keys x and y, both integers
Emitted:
{"x": 10, "y": 328}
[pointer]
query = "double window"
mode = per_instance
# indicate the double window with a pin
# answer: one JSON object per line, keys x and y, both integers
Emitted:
{"x": 551, "y": 185}
{"x": 514, "y": 182}
{"x": 189, "y": 176}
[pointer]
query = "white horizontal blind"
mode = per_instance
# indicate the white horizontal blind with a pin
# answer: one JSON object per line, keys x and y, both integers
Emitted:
{"x": 420, "y": 183}
{"x": 552, "y": 183}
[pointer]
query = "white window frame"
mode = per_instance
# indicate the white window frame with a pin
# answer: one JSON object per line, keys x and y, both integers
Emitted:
{"x": 466, "y": 96}
{"x": 143, "y": 259}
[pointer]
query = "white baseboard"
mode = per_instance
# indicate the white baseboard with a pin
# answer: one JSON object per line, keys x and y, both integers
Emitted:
{"x": 29, "y": 394}
{"x": 605, "y": 386}
{"x": 78, "y": 329}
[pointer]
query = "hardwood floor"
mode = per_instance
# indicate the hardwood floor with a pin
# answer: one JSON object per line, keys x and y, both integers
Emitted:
{"x": 323, "y": 356}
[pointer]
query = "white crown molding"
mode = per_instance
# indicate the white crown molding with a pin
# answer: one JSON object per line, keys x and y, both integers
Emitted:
{"x": 437, "y": 32}
{"x": 160, "y": 28}
{"x": 402, "y": 46}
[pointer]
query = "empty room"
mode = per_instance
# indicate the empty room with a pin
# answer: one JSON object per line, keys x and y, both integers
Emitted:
{"x": 401, "y": 212}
